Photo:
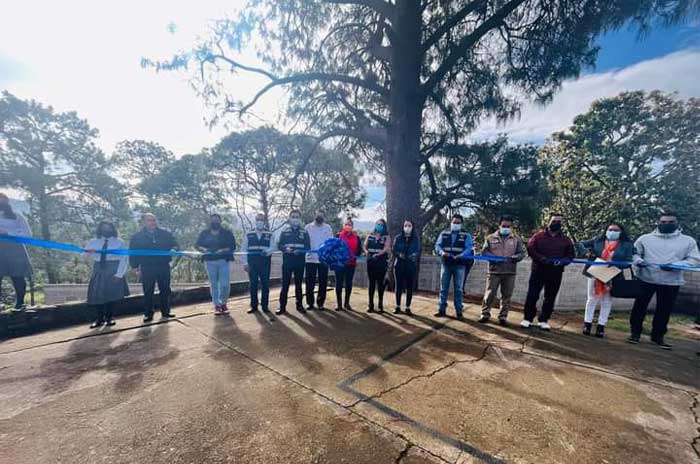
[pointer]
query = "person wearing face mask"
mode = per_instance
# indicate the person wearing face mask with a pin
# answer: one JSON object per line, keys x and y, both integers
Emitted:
{"x": 15, "y": 260}
{"x": 613, "y": 245}
{"x": 319, "y": 231}
{"x": 293, "y": 242}
{"x": 107, "y": 281}
{"x": 377, "y": 248}
{"x": 258, "y": 246}
{"x": 344, "y": 277}
{"x": 544, "y": 248}
{"x": 153, "y": 269}
{"x": 501, "y": 274}
{"x": 452, "y": 246}
{"x": 406, "y": 250}
{"x": 654, "y": 253}
{"x": 218, "y": 244}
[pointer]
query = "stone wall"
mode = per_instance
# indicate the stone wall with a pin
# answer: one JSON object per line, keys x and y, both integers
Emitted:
{"x": 572, "y": 296}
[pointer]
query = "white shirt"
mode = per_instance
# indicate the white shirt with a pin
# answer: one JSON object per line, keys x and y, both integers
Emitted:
{"x": 317, "y": 235}
{"x": 17, "y": 227}
{"x": 113, "y": 243}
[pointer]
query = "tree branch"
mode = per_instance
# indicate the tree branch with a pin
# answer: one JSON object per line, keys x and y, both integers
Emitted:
{"x": 383, "y": 8}
{"x": 451, "y": 22}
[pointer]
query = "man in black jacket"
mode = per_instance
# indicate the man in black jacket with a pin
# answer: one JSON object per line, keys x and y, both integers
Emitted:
{"x": 294, "y": 242}
{"x": 153, "y": 269}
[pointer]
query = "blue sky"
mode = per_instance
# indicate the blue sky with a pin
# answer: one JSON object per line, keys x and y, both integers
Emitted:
{"x": 85, "y": 56}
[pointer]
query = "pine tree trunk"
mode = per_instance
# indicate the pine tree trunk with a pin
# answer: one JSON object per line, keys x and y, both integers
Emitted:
{"x": 45, "y": 225}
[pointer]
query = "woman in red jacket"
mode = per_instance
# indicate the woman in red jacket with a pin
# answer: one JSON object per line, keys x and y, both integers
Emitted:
{"x": 343, "y": 277}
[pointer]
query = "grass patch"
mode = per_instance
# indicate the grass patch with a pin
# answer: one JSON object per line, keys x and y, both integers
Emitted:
{"x": 621, "y": 322}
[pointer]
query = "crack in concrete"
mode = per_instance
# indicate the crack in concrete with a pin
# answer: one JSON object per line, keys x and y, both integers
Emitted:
{"x": 316, "y": 392}
{"x": 695, "y": 410}
{"x": 404, "y": 452}
{"x": 419, "y": 376}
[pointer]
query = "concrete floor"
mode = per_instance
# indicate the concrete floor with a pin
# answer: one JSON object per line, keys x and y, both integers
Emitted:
{"x": 343, "y": 388}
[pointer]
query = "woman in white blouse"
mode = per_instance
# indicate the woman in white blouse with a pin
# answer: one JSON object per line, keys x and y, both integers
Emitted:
{"x": 107, "y": 282}
{"x": 15, "y": 260}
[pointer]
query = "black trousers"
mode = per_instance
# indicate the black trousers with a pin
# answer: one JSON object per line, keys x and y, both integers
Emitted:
{"x": 548, "y": 278}
{"x": 287, "y": 271}
{"x": 405, "y": 275}
{"x": 376, "y": 272}
{"x": 314, "y": 271}
{"x": 343, "y": 279}
{"x": 150, "y": 276}
{"x": 665, "y": 302}
{"x": 105, "y": 311}
{"x": 259, "y": 278}
{"x": 20, "y": 285}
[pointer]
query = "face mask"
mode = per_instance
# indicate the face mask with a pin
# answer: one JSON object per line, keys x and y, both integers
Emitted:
{"x": 106, "y": 232}
{"x": 505, "y": 230}
{"x": 319, "y": 219}
{"x": 455, "y": 227}
{"x": 295, "y": 222}
{"x": 612, "y": 235}
{"x": 555, "y": 226}
{"x": 407, "y": 230}
{"x": 347, "y": 228}
{"x": 667, "y": 228}
{"x": 215, "y": 226}
{"x": 260, "y": 225}
{"x": 380, "y": 229}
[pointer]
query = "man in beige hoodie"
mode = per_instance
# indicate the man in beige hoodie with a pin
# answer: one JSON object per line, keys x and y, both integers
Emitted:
{"x": 501, "y": 274}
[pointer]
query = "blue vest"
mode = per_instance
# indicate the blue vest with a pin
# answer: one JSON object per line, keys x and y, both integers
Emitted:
{"x": 459, "y": 246}
{"x": 257, "y": 245}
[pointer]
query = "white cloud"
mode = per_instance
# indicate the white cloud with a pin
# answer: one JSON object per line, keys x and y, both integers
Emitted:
{"x": 676, "y": 72}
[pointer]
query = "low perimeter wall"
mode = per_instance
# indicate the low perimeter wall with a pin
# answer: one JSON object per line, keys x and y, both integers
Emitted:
{"x": 572, "y": 296}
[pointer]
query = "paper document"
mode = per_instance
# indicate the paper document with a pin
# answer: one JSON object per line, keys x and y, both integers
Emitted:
{"x": 603, "y": 273}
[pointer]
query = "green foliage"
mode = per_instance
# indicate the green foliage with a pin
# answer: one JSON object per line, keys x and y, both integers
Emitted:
{"x": 627, "y": 159}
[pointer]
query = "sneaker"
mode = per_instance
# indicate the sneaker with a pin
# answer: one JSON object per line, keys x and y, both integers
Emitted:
{"x": 600, "y": 331}
{"x": 439, "y": 314}
{"x": 587, "y": 326}
{"x": 224, "y": 309}
{"x": 147, "y": 317}
{"x": 525, "y": 324}
{"x": 484, "y": 319}
{"x": 110, "y": 322}
{"x": 96, "y": 324}
{"x": 545, "y": 326}
{"x": 503, "y": 323}
{"x": 661, "y": 343}
{"x": 255, "y": 310}
{"x": 218, "y": 311}
{"x": 633, "y": 339}
{"x": 281, "y": 311}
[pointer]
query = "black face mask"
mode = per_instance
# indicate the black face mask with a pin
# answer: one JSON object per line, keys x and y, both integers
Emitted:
{"x": 555, "y": 226}
{"x": 319, "y": 219}
{"x": 215, "y": 226}
{"x": 667, "y": 228}
{"x": 107, "y": 232}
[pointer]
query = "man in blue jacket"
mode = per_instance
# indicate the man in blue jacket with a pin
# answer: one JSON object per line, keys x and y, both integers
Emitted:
{"x": 453, "y": 246}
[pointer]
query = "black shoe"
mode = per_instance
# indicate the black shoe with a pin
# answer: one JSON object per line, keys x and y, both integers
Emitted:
{"x": 408, "y": 311}
{"x": 484, "y": 319}
{"x": 96, "y": 324}
{"x": 339, "y": 308}
{"x": 371, "y": 310}
{"x": 110, "y": 322}
{"x": 281, "y": 311}
{"x": 503, "y": 323}
{"x": 310, "y": 308}
{"x": 633, "y": 339}
{"x": 348, "y": 307}
{"x": 253, "y": 310}
{"x": 301, "y": 309}
{"x": 380, "y": 310}
{"x": 600, "y": 331}
{"x": 460, "y": 317}
{"x": 439, "y": 314}
{"x": 397, "y": 310}
{"x": 587, "y": 326}
{"x": 321, "y": 308}
{"x": 148, "y": 318}
{"x": 167, "y": 315}
{"x": 661, "y": 343}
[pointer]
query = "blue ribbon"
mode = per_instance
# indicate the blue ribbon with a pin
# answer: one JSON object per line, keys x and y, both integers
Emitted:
{"x": 128, "y": 252}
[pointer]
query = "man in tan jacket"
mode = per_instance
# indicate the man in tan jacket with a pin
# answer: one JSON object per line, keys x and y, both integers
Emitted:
{"x": 505, "y": 244}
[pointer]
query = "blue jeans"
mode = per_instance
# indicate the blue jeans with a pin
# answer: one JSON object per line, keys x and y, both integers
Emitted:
{"x": 452, "y": 273}
{"x": 219, "y": 280}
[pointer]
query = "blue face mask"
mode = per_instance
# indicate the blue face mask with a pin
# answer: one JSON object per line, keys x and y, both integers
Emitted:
{"x": 612, "y": 235}
{"x": 380, "y": 228}
{"x": 505, "y": 231}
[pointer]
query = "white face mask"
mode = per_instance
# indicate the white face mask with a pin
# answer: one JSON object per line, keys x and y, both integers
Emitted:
{"x": 455, "y": 227}
{"x": 259, "y": 225}
{"x": 407, "y": 230}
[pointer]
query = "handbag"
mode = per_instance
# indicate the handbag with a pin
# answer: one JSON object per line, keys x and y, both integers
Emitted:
{"x": 626, "y": 288}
